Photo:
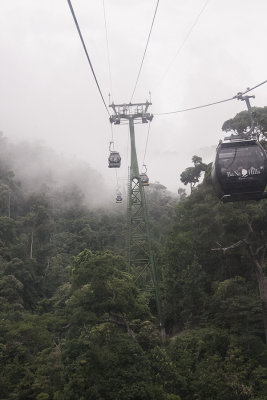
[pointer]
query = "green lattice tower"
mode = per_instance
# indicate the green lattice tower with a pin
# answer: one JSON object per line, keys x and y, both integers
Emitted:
{"x": 140, "y": 254}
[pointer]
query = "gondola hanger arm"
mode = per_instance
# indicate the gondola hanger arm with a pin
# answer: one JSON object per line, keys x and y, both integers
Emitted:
{"x": 111, "y": 144}
{"x": 241, "y": 97}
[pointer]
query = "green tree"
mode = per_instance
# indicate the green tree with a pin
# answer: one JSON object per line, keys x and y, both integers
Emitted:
{"x": 192, "y": 174}
{"x": 217, "y": 366}
{"x": 111, "y": 356}
{"x": 241, "y": 123}
{"x": 254, "y": 218}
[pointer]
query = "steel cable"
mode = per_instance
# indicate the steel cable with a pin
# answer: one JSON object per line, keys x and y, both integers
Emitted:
{"x": 148, "y": 132}
{"x": 107, "y": 44}
{"x": 184, "y": 41}
{"x": 86, "y": 53}
{"x": 211, "y": 104}
{"x": 139, "y": 72}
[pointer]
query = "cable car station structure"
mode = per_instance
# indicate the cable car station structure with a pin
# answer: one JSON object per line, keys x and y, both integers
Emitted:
{"x": 140, "y": 254}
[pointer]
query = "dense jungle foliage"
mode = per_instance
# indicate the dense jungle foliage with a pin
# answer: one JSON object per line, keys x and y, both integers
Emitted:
{"x": 76, "y": 326}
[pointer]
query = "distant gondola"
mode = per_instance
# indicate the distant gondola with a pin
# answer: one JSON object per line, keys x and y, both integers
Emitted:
{"x": 114, "y": 160}
{"x": 143, "y": 176}
{"x": 240, "y": 170}
{"x": 118, "y": 198}
{"x": 144, "y": 179}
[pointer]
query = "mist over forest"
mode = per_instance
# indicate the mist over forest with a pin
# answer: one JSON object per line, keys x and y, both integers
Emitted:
{"x": 39, "y": 168}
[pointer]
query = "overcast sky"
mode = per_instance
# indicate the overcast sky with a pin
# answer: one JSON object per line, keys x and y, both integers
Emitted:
{"x": 47, "y": 91}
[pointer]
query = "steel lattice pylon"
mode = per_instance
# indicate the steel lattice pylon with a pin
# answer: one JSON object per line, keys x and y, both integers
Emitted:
{"x": 138, "y": 231}
{"x": 140, "y": 255}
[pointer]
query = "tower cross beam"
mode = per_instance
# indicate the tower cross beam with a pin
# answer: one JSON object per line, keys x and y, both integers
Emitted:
{"x": 130, "y": 111}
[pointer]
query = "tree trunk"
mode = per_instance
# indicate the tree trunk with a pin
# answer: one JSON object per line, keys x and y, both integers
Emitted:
{"x": 9, "y": 198}
{"x": 31, "y": 247}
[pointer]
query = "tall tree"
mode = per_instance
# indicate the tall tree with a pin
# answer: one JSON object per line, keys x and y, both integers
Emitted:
{"x": 241, "y": 123}
{"x": 192, "y": 174}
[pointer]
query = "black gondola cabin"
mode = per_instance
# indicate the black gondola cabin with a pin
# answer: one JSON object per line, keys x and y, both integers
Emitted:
{"x": 118, "y": 198}
{"x": 114, "y": 160}
{"x": 144, "y": 179}
{"x": 240, "y": 170}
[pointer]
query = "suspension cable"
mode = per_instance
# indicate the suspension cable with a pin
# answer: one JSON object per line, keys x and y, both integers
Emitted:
{"x": 128, "y": 146}
{"x": 86, "y": 53}
{"x": 108, "y": 52}
{"x": 109, "y": 68}
{"x": 138, "y": 75}
{"x": 211, "y": 104}
{"x": 194, "y": 108}
{"x": 112, "y": 134}
{"x": 117, "y": 181}
{"x": 249, "y": 89}
{"x": 148, "y": 131}
{"x": 184, "y": 41}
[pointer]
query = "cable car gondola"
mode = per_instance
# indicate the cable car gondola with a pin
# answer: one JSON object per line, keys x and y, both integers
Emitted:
{"x": 144, "y": 178}
{"x": 119, "y": 198}
{"x": 114, "y": 160}
{"x": 240, "y": 170}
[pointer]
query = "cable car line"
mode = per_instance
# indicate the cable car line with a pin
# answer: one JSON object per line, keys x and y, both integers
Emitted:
{"x": 240, "y": 168}
{"x": 114, "y": 158}
{"x": 138, "y": 75}
{"x": 249, "y": 89}
{"x": 112, "y": 134}
{"x": 107, "y": 44}
{"x": 184, "y": 41}
{"x": 143, "y": 175}
{"x": 87, "y": 55}
{"x": 118, "y": 194}
{"x": 195, "y": 108}
{"x": 127, "y": 149}
{"x": 148, "y": 132}
{"x": 118, "y": 198}
{"x": 211, "y": 104}
{"x": 163, "y": 113}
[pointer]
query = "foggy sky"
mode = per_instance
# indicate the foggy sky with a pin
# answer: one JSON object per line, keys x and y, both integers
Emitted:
{"x": 47, "y": 91}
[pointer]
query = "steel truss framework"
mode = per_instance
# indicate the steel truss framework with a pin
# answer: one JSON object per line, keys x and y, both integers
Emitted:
{"x": 140, "y": 254}
{"x": 138, "y": 234}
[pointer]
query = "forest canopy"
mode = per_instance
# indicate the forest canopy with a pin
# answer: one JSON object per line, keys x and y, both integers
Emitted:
{"x": 75, "y": 323}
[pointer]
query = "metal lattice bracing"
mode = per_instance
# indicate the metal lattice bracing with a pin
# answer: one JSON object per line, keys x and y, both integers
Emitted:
{"x": 140, "y": 255}
{"x": 138, "y": 239}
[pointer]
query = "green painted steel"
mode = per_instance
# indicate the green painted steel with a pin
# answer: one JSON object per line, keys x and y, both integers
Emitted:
{"x": 140, "y": 254}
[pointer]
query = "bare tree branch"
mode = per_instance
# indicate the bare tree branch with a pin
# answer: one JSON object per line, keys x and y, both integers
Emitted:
{"x": 232, "y": 246}
{"x": 263, "y": 247}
